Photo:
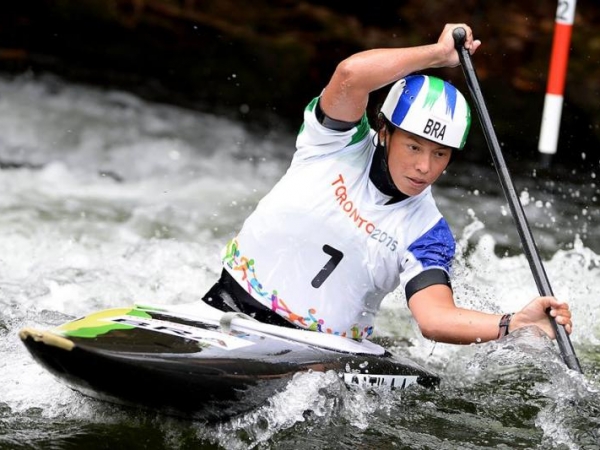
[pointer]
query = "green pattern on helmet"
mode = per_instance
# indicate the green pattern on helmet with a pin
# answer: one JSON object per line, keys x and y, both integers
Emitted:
{"x": 435, "y": 91}
{"x": 467, "y": 128}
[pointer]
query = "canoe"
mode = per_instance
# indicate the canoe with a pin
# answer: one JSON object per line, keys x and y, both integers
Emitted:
{"x": 198, "y": 362}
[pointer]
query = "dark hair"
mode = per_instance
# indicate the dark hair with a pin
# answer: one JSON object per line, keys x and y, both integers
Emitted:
{"x": 381, "y": 121}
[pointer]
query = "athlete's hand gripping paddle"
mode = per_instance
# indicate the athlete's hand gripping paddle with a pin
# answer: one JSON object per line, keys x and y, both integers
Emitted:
{"x": 527, "y": 241}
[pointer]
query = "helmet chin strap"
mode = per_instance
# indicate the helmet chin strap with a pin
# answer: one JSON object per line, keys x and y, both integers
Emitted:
{"x": 380, "y": 174}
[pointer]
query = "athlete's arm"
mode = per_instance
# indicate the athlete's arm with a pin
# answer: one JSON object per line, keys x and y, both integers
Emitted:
{"x": 347, "y": 93}
{"x": 440, "y": 320}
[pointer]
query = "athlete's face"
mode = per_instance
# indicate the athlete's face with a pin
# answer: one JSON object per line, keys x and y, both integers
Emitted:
{"x": 415, "y": 162}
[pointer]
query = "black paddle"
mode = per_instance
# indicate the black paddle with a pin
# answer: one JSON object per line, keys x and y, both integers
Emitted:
{"x": 539, "y": 274}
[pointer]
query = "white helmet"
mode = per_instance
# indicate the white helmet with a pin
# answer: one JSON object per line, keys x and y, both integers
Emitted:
{"x": 429, "y": 107}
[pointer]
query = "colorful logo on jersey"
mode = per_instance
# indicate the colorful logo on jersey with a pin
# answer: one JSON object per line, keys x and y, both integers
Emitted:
{"x": 234, "y": 260}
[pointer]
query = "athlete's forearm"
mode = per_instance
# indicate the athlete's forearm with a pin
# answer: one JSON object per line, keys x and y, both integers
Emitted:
{"x": 461, "y": 326}
{"x": 346, "y": 95}
{"x": 373, "y": 69}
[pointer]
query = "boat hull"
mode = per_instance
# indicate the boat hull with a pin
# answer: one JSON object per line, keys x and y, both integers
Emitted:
{"x": 195, "y": 366}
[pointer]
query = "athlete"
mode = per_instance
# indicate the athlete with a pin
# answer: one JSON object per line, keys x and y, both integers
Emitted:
{"x": 354, "y": 217}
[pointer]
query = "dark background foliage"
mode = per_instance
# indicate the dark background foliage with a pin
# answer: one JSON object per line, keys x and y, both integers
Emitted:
{"x": 262, "y": 61}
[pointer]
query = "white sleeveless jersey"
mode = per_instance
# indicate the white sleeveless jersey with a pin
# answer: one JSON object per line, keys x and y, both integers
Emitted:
{"x": 322, "y": 249}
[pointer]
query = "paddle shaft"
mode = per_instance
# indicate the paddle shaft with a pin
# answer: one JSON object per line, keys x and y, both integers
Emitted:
{"x": 527, "y": 241}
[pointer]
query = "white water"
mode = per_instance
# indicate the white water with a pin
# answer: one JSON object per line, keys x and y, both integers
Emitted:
{"x": 119, "y": 200}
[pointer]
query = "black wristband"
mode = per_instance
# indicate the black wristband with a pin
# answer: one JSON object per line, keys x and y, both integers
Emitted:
{"x": 503, "y": 325}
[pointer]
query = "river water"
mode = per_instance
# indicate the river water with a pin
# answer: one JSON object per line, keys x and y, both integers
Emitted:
{"x": 106, "y": 199}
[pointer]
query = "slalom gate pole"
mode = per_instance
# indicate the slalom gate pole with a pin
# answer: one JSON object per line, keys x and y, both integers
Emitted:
{"x": 553, "y": 101}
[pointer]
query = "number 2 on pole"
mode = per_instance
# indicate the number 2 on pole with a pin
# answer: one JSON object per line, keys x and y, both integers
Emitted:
{"x": 336, "y": 257}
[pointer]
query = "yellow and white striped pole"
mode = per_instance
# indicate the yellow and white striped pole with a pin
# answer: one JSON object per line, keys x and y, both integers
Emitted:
{"x": 553, "y": 102}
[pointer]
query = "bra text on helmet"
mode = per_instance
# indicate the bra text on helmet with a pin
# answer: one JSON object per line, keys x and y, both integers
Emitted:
{"x": 435, "y": 129}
